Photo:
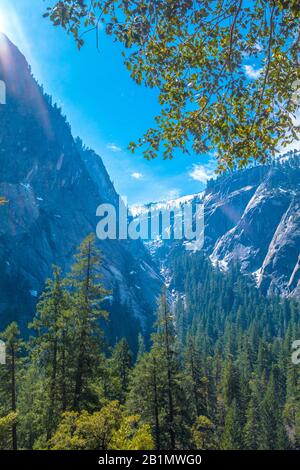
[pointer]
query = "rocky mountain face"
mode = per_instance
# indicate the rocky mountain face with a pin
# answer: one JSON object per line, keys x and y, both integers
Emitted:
{"x": 264, "y": 238}
{"x": 252, "y": 220}
{"x": 53, "y": 186}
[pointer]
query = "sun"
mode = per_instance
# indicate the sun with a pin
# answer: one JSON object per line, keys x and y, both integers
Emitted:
{"x": 8, "y": 18}
{"x": 3, "y": 21}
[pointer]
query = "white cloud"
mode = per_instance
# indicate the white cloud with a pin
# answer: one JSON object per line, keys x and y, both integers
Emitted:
{"x": 113, "y": 147}
{"x": 204, "y": 172}
{"x": 252, "y": 73}
{"x": 136, "y": 175}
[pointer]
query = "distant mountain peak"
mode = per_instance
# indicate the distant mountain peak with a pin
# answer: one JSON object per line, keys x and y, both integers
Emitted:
{"x": 252, "y": 220}
{"x": 167, "y": 204}
{"x": 53, "y": 188}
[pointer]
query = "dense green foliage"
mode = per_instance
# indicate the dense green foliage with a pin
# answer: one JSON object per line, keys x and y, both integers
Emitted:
{"x": 242, "y": 342}
{"x": 218, "y": 373}
{"x": 197, "y": 54}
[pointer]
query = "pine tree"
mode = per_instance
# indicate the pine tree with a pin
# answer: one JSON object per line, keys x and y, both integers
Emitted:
{"x": 174, "y": 422}
{"x": 121, "y": 363}
{"x": 156, "y": 388}
{"x": 252, "y": 429}
{"x": 232, "y": 435}
{"x": 87, "y": 294}
{"x": 50, "y": 347}
{"x": 273, "y": 433}
{"x": 145, "y": 396}
{"x": 231, "y": 383}
{"x": 195, "y": 382}
{"x": 164, "y": 343}
{"x": 9, "y": 386}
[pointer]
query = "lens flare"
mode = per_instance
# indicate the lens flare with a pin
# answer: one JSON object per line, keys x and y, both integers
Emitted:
{"x": 4, "y": 23}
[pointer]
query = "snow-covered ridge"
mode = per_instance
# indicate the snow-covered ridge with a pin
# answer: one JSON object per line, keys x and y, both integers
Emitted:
{"x": 252, "y": 220}
{"x": 170, "y": 204}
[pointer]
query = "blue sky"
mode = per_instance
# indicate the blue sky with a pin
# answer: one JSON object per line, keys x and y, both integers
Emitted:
{"x": 103, "y": 105}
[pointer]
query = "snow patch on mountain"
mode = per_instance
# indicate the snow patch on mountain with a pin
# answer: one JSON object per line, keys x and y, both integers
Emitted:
{"x": 252, "y": 220}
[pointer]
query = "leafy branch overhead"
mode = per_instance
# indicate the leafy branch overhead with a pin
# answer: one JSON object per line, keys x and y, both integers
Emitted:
{"x": 197, "y": 53}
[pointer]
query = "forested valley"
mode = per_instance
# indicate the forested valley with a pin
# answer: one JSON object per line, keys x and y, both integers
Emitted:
{"x": 216, "y": 373}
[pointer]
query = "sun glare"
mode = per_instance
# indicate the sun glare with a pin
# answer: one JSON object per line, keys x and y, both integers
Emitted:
{"x": 9, "y": 21}
{"x": 3, "y": 21}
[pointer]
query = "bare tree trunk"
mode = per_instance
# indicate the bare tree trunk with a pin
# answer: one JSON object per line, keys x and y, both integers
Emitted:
{"x": 13, "y": 397}
{"x": 52, "y": 391}
{"x": 156, "y": 408}
{"x": 170, "y": 385}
